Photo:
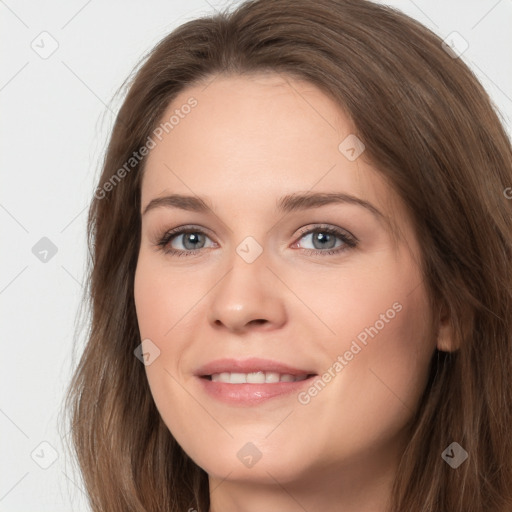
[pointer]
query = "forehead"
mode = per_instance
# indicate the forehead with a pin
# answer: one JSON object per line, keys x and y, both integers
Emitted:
{"x": 249, "y": 140}
{"x": 259, "y": 129}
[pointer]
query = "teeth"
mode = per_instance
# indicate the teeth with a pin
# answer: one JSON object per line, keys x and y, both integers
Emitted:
{"x": 255, "y": 377}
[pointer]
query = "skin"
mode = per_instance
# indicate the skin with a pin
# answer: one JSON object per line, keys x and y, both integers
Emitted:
{"x": 249, "y": 141}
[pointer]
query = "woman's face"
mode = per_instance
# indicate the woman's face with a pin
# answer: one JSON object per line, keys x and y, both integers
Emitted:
{"x": 275, "y": 285}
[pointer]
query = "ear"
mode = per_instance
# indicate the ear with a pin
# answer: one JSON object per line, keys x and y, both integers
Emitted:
{"x": 445, "y": 337}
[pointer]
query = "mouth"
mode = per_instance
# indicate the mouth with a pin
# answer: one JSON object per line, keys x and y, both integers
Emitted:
{"x": 250, "y": 382}
{"x": 258, "y": 377}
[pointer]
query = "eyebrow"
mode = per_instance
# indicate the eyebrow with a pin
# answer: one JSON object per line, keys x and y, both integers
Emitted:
{"x": 286, "y": 204}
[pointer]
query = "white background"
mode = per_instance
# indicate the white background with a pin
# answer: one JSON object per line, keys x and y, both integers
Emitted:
{"x": 55, "y": 119}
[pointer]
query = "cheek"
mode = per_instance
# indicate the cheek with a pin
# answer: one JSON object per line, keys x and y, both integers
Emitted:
{"x": 380, "y": 361}
{"x": 161, "y": 305}
{"x": 168, "y": 311}
{"x": 378, "y": 350}
{"x": 163, "y": 299}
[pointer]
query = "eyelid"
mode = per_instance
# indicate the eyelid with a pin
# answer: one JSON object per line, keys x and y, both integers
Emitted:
{"x": 327, "y": 227}
{"x": 169, "y": 234}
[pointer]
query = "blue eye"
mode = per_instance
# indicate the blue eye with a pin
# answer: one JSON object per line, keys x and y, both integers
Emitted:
{"x": 194, "y": 238}
{"x": 324, "y": 240}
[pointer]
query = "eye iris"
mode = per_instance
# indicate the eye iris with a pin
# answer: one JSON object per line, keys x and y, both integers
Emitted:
{"x": 324, "y": 237}
{"x": 195, "y": 238}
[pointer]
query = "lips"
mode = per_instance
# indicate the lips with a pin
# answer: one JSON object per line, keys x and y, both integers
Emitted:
{"x": 254, "y": 370}
{"x": 240, "y": 382}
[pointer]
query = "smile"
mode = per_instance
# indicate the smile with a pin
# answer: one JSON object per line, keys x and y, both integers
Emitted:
{"x": 259, "y": 377}
{"x": 252, "y": 381}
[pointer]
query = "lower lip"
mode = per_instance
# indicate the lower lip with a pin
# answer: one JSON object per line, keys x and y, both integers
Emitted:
{"x": 251, "y": 394}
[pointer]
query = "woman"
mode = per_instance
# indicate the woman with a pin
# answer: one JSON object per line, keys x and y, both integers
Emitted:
{"x": 339, "y": 338}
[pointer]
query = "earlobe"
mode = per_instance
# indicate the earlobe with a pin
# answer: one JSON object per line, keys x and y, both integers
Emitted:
{"x": 445, "y": 339}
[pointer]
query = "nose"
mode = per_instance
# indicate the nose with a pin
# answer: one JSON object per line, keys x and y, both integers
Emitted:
{"x": 248, "y": 296}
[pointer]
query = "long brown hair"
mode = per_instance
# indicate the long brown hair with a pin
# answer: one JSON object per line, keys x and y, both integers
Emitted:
{"x": 432, "y": 131}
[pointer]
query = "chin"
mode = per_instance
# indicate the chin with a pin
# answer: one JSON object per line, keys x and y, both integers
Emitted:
{"x": 240, "y": 462}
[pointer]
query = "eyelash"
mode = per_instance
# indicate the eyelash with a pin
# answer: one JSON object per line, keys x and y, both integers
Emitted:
{"x": 349, "y": 240}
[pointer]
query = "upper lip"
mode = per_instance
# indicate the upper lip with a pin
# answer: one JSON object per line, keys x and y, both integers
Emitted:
{"x": 250, "y": 365}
